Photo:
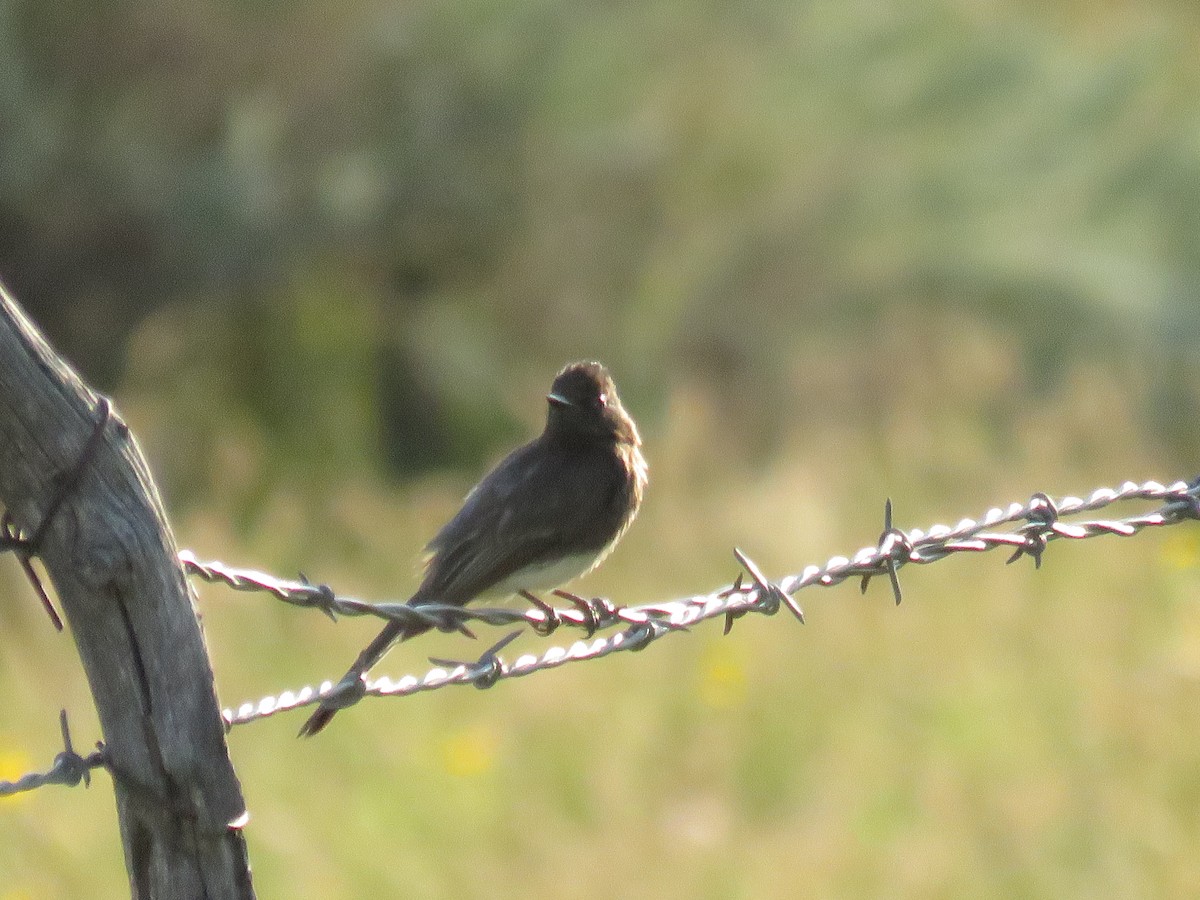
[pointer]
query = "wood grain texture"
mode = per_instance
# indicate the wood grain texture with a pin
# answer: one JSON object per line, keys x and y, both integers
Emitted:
{"x": 112, "y": 559}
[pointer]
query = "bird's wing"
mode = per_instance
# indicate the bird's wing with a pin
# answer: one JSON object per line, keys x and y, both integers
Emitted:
{"x": 507, "y": 523}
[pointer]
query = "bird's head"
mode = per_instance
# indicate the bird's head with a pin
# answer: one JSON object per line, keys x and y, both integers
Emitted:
{"x": 583, "y": 402}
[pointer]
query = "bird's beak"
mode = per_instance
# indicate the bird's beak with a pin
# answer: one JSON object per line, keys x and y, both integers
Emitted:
{"x": 558, "y": 400}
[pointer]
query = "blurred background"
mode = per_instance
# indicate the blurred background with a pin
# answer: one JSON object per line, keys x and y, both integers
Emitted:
{"x": 327, "y": 257}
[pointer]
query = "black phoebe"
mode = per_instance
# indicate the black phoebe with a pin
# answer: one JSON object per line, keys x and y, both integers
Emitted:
{"x": 548, "y": 513}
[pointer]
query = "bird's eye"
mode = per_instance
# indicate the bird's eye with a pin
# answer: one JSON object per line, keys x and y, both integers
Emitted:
{"x": 602, "y": 400}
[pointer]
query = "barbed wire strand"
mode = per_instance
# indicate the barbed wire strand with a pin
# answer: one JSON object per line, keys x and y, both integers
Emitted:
{"x": 69, "y": 767}
{"x": 1042, "y": 525}
{"x": 590, "y": 615}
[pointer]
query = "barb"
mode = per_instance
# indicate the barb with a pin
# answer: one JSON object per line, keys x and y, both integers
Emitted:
{"x": 1042, "y": 525}
{"x": 770, "y": 593}
{"x": 69, "y": 767}
{"x": 894, "y": 546}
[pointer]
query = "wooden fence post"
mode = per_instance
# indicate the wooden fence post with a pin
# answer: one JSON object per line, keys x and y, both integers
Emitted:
{"x": 109, "y": 551}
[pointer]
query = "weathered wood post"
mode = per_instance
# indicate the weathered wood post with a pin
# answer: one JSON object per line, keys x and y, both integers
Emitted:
{"x": 109, "y": 551}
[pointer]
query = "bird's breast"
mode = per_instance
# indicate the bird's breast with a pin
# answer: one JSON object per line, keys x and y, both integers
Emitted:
{"x": 547, "y": 575}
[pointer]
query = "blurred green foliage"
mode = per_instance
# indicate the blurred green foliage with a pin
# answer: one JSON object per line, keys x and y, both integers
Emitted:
{"x": 488, "y": 188}
{"x": 328, "y": 255}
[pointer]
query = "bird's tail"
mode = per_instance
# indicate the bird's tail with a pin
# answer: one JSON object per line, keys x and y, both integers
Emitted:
{"x": 392, "y": 633}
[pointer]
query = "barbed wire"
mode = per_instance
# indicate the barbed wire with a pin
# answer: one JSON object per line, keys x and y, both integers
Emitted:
{"x": 589, "y": 614}
{"x": 69, "y": 767}
{"x": 749, "y": 593}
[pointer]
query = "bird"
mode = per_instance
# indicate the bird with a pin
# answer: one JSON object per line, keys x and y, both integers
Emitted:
{"x": 547, "y": 513}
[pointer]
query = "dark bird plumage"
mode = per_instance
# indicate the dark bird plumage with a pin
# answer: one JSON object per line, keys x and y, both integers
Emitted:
{"x": 551, "y": 511}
